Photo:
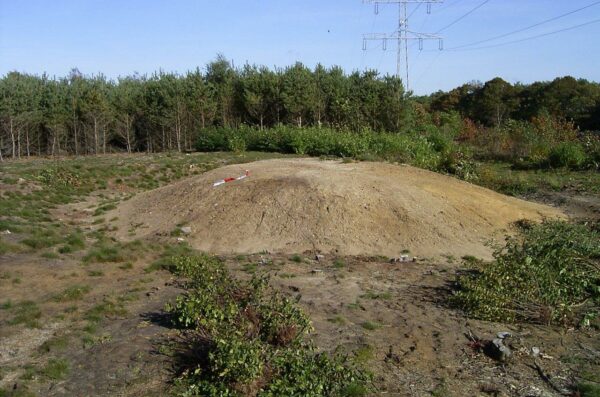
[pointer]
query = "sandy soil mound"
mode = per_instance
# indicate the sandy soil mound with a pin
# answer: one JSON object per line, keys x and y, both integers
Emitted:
{"x": 296, "y": 205}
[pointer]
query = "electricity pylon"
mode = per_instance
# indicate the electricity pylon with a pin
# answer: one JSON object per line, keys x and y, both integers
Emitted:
{"x": 402, "y": 35}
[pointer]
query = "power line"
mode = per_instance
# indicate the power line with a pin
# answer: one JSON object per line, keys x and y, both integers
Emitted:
{"x": 530, "y": 37}
{"x": 526, "y": 28}
{"x": 463, "y": 16}
{"x": 402, "y": 34}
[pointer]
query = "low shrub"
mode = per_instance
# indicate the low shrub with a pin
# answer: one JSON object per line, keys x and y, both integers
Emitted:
{"x": 548, "y": 274}
{"x": 252, "y": 339}
{"x": 567, "y": 155}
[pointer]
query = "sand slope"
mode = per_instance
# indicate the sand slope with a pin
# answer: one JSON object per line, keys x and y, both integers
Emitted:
{"x": 308, "y": 204}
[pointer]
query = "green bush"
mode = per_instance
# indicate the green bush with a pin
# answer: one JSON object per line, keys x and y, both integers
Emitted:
{"x": 252, "y": 339}
{"x": 567, "y": 155}
{"x": 434, "y": 151}
{"x": 549, "y": 274}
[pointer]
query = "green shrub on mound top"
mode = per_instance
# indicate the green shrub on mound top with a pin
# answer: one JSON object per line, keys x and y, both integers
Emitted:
{"x": 248, "y": 339}
{"x": 548, "y": 274}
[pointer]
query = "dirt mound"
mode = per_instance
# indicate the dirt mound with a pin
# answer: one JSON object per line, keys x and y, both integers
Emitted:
{"x": 296, "y": 205}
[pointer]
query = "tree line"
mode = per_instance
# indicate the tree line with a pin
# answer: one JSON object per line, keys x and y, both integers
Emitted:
{"x": 79, "y": 114}
{"x": 497, "y": 101}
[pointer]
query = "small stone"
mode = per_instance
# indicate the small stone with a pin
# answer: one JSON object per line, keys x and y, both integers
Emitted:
{"x": 504, "y": 335}
{"x": 319, "y": 257}
{"x": 535, "y": 351}
{"x": 21, "y": 181}
{"x": 6, "y": 232}
{"x": 186, "y": 230}
{"x": 497, "y": 350}
{"x": 180, "y": 240}
{"x": 316, "y": 271}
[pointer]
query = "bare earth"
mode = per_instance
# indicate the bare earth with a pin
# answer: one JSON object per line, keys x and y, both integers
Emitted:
{"x": 290, "y": 206}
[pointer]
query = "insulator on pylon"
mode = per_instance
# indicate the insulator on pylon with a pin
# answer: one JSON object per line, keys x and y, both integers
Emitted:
{"x": 429, "y": 8}
{"x": 364, "y": 44}
{"x": 376, "y": 8}
{"x": 441, "y": 44}
{"x": 420, "y": 44}
{"x": 384, "y": 44}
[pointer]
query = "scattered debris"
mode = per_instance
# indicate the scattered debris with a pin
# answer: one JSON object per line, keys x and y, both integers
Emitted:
{"x": 6, "y": 232}
{"x": 497, "y": 350}
{"x": 180, "y": 240}
{"x": 319, "y": 257}
{"x": 402, "y": 258}
{"x": 316, "y": 271}
{"x": 264, "y": 261}
{"x": 21, "y": 181}
{"x": 535, "y": 351}
{"x": 186, "y": 230}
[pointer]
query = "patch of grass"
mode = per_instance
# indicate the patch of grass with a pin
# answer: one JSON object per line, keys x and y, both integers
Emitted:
{"x": 56, "y": 369}
{"x": 55, "y": 344}
{"x": 588, "y": 389}
{"x": 104, "y": 208}
{"x": 95, "y": 273}
{"x": 364, "y": 354}
{"x": 109, "y": 251}
{"x": 27, "y": 313}
{"x": 6, "y": 247}
{"x": 339, "y": 320}
{"x": 296, "y": 258}
{"x": 105, "y": 309}
{"x": 126, "y": 266}
{"x": 165, "y": 262}
{"x": 370, "y": 325}
{"x": 50, "y": 255}
{"x": 72, "y": 293}
{"x": 249, "y": 267}
{"x": 338, "y": 264}
{"x": 377, "y": 295}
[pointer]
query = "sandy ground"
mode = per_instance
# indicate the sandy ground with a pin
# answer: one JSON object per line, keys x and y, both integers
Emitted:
{"x": 299, "y": 205}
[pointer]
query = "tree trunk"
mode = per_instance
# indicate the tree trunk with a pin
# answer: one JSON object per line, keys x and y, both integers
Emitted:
{"x": 95, "y": 136}
{"x": 127, "y": 137}
{"x": 12, "y": 137}
{"x": 104, "y": 140}
{"x": 18, "y": 143}
{"x": 1, "y": 146}
{"x": 27, "y": 141}
{"x": 75, "y": 135}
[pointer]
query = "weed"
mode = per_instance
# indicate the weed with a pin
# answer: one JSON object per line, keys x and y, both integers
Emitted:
{"x": 370, "y": 325}
{"x": 95, "y": 273}
{"x": 377, "y": 295}
{"x": 50, "y": 255}
{"x": 74, "y": 292}
{"x": 126, "y": 266}
{"x": 588, "y": 389}
{"x": 56, "y": 369}
{"x": 339, "y": 320}
{"x": 27, "y": 313}
{"x": 296, "y": 258}
{"x": 364, "y": 354}
{"x": 55, "y": 344}
{"x": 338, "y": 264}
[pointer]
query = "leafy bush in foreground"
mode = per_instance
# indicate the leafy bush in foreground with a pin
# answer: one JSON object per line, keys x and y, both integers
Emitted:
{"x": 249, "y": 340}
{"x": 549, "y": 274}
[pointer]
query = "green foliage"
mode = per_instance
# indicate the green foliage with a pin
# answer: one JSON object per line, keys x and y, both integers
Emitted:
{"x": 56, "y": 369}
{"x": 27, "y": 313}
{"x": 549, "y": 274}
{"x": 74, "y": 292}
{"x": 568, "y": 155}
{"x": 253, "y": 338}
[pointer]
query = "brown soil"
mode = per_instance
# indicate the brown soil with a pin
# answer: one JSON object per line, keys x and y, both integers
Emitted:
{"x": 297, "y": 205}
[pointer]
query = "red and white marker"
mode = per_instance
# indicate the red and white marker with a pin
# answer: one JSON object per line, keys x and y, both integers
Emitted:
{"x": 222, "y": 181}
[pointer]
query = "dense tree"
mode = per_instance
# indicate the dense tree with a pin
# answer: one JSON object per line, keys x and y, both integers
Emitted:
{"x": 81, "y": 114}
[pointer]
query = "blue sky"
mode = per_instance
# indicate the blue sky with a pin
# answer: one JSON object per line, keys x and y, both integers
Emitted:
{"x": 127, "y": 36}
